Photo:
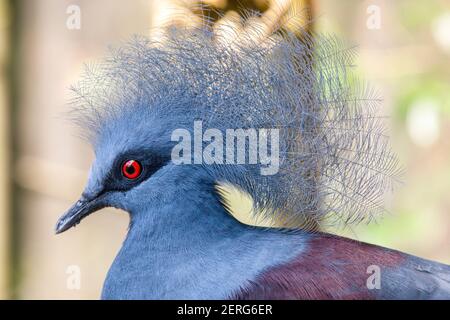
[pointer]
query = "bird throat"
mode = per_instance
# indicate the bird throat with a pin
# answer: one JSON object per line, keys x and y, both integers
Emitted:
{"x": 192, "y": 248}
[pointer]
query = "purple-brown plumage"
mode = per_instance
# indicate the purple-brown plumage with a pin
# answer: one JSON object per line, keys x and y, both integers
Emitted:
{"x": 339, "y": 268}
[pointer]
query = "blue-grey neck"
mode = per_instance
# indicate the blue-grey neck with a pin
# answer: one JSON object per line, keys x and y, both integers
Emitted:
{"x": 184, "y": 245}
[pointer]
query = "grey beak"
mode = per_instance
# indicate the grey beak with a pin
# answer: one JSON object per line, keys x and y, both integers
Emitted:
{"x": 81, "y": 209}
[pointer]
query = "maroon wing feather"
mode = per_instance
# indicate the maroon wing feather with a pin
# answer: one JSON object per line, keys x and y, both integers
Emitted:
{"x": 338, "y": 268}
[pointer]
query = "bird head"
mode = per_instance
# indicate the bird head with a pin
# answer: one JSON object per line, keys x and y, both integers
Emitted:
{"x": 127, "y": 155}
{"x": 135, "y": 105}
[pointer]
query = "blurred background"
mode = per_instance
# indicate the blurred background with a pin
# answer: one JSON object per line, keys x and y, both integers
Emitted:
{"x": 404, "y": 51}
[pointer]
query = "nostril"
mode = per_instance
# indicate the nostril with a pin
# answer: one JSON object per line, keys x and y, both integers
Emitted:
{"x": 85, "y": 197}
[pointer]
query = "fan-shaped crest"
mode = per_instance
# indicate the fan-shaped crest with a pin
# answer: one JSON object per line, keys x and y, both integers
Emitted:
{"x": 334, "y": 158}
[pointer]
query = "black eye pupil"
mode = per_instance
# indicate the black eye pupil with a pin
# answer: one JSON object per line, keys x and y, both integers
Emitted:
{"x": 130, "y": 169}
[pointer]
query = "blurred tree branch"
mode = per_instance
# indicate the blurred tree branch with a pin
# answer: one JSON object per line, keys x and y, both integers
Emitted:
{"x": 274, "y": 13}
{"x": 5, "y": 165}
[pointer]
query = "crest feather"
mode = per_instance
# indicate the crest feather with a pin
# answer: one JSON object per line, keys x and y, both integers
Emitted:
{"x": 335, "y": 161}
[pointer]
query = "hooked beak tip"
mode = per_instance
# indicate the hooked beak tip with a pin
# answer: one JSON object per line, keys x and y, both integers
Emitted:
{"x": 66, "y": 221}
{"x": 59, "y": 228}
{"x": 81, "y": 209}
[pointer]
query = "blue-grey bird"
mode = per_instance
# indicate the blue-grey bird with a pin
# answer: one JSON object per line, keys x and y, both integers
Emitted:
{"x": 321, "y": 156}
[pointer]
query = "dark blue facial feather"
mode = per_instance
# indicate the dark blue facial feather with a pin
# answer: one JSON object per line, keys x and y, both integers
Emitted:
{"x": 149, "y": 160}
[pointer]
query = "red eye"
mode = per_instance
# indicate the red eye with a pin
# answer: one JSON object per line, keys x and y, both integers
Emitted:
{"x": 131, "y": 169}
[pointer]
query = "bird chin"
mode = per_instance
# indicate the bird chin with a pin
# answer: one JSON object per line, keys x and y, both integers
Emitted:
{"x": 80, "y": 210}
